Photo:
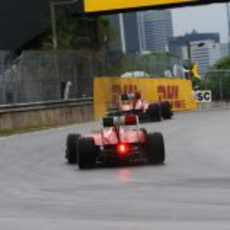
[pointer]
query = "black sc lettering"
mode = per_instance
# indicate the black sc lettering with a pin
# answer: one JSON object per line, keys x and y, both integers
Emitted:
{"x": 207, "y": 96}
{"x": 200, "y": 96}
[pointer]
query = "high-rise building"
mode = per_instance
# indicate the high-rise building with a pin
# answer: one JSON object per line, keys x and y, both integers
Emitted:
{"x": 177, "y": 44}
{"x": 115, "y": 42}
{"x": 155, "y": 27}
{"x": 126, "y": 36}
{"x": 142, "y": 31}
{"x": 131, "y": 32}
{"x": 205, "y": 53}
{"x": 224, "y": 49}
{"x": 203, "y": 48}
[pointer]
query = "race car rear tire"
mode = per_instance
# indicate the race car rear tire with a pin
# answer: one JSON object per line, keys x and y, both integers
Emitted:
{"x": 166, "y": 110}
{"x": 72, "y": 148}
{"x": 154, "y": 112}
{"x": 87, "y": 153}
{"x": 155, "y": 149}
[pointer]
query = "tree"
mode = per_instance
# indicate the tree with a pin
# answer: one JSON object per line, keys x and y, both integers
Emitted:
{"x": 76, "y": 31}
{"x": 223, "y": 63}
{"x": 218, "y": 79}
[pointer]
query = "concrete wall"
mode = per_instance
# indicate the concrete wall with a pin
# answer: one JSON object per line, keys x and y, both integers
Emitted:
{"x": 214, "y": 105}
{"x": 45, "y": 115}
{"x": 41, "y": 115}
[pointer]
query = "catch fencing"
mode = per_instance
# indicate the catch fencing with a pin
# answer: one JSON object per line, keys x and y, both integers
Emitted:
{"x": 218, "y": 81}
{"x": 41, "y": 76}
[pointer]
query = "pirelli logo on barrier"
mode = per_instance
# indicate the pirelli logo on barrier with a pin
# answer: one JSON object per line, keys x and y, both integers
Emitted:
{"x": 95, "y": 6}
{"x": 178, "y": 91}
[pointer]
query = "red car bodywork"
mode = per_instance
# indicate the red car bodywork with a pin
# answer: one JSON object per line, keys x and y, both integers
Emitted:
{"x": 109, "y": 136}
{"x": 132, "y": 103}
{"x": 118, "y": 140}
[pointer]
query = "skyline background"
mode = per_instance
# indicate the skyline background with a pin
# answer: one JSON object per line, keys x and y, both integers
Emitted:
{"x": 207, "y": 18}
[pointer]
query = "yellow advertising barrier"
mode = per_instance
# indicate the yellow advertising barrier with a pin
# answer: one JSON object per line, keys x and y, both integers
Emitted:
{"x": 177, "y": 91}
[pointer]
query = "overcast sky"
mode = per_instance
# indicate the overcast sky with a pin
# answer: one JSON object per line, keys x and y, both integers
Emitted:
{"x": 207, "y": 18}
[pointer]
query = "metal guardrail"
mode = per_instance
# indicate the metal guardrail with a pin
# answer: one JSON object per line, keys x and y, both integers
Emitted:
{"x": 43, "y": 105}
{"x": 26, "y": 116}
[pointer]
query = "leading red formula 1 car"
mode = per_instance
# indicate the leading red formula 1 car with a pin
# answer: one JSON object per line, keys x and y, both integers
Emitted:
{"x": 119, "y": 140}
{"x": 132, "y": 103}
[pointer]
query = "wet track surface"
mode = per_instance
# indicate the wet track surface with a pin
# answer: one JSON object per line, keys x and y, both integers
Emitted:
{"x": 38, "y": 190}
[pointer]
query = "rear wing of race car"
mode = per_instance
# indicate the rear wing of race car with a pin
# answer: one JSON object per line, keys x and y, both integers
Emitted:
{"x": 129, "y": 119}
{"x": 116, "y": 123}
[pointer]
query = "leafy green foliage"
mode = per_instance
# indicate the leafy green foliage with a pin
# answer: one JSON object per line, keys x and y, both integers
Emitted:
{"x": 218, "y": 80}
{"x": 223, "y": 63}
{"x": 78, "y": 31}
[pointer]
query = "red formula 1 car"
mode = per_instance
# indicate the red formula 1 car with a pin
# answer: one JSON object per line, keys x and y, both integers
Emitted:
{"x": 132, "y": 103}
{"x": 119, "y": 140}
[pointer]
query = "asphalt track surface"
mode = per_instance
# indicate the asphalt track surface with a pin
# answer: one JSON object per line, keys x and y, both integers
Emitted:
{"x": 38, "y": 190}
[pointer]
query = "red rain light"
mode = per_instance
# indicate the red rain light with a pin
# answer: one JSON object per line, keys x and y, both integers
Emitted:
{"x": 122, "y": 148}
{"x": 131, "y": 119}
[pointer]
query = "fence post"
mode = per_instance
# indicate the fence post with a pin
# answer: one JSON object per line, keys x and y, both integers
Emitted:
{"x": 221, "y": 88}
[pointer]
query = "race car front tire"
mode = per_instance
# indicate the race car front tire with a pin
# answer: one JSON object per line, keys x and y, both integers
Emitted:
{"x": 155, "y": 149}
{"x": 87, "y": 153}
{"x": 72, "y": 148}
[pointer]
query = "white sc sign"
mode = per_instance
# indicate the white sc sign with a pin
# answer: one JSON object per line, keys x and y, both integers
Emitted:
{"x": 204, "y": 96}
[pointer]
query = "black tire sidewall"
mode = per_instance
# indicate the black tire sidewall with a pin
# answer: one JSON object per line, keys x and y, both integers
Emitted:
{"x": 87, "y": 152}
{"x": 72, "y": 148}
{"x": 154, "y": 112}
{"x": 166, "y": 110}
{"x": 155, "y": 149}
